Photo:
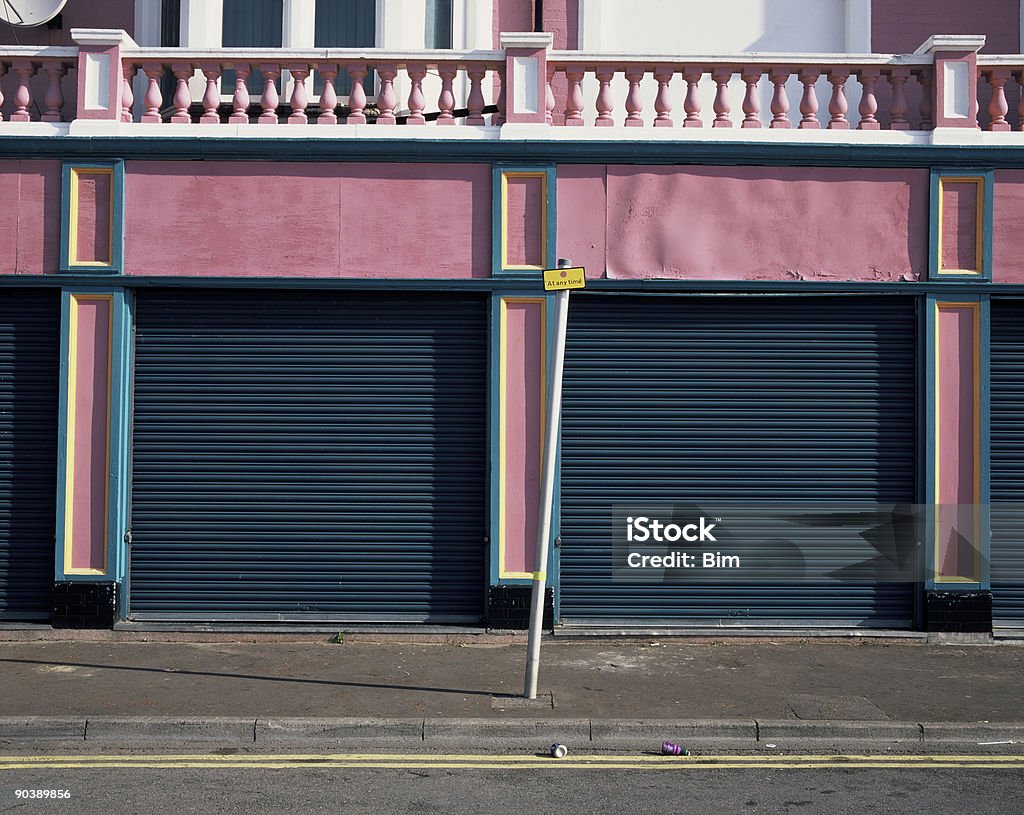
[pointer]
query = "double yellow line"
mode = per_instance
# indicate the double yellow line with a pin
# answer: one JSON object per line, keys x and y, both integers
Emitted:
{"x": 406, "y": 761}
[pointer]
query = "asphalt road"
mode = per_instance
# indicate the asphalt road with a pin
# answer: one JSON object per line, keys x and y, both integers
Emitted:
{"x": 485, "y": 784}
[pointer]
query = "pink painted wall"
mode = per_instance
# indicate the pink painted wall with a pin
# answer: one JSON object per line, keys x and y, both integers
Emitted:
{"x": 749, "y": 223}
{"x": 306, "y": 220}
{"x": 511, "y": 15}
{"x": 900, "y": 26}
{"x": 959, "y": 225}
{"x": 89, "y": 477}
{"x": 30, "y": 228}
{"x": 581, "y": 199}
{"x": 524, "y": 221}
{"x": 524, "y": 324}
{"x": 562, "y": 18}
{"x": 93, "y": 217}
{"x": 76, "y": 14}
{"x": 956, "y": 440}
{"x": 1007, "y": 222}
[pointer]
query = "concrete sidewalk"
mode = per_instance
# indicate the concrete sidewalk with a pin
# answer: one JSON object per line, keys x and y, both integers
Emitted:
{"x": 606, "y": 693}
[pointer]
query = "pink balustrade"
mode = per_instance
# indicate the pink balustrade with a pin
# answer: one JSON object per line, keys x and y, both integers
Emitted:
{"x": 775, "y": 92}
{"x": 738, "y": 92}
{"x": 373, "y": 97}
{"x": 38, "y": 84}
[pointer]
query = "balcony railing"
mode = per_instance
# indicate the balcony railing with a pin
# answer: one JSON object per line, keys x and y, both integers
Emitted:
{"x": 109, "y": 78}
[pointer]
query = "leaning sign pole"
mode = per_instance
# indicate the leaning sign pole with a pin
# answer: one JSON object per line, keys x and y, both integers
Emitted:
{"x": 560, "y": 281}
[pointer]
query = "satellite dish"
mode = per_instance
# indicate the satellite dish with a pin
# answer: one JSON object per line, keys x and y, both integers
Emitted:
{"x": 29, "y": 13}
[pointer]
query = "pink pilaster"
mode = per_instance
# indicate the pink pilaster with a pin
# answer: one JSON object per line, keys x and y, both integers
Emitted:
{"x": 88, "y": 434}
{"x": 520, "y": 432}
{"x": 957, "y": 440}
{"x": 955, "y": 78}
{"x": 100, "y": 72}
{"x": 526, "y": 76}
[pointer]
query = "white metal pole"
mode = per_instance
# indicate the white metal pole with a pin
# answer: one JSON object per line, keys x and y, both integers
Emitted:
{"x": 547, "y": 489}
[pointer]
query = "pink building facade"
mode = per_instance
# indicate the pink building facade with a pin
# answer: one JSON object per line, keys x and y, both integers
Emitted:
{"x": 274, "y": 342}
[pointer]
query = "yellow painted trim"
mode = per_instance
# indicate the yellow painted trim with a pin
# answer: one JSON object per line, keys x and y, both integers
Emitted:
{"x": 979, "y": 224}
{"x": 69, "y": 477}
{"x": 503, "y": 417}
{"x": 73, "y": 216}
{"x": 543, "y": 219}
{"x": 975, "y": 308}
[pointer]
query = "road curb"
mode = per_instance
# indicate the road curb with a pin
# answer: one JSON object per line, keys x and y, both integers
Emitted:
{"x": 527, "y": 732}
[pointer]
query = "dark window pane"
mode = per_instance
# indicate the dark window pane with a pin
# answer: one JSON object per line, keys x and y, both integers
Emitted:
{"x": 251, "y": 24}
{"x": 345, "y": 24}
{"x": 439, "y": 24}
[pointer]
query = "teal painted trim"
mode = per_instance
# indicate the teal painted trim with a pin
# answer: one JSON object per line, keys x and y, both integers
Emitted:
{"x": 62, "y": 439}
{"x": 494, "y": 440}
{"x": 987, "y": 176}
{"x": 550, "y": 225}
{"x": 930, "y": 357}
{"x": 118, "y": 508}
{"x": 511, "y": 284}
{"x": 116, "y": 266}
{"x": 985, "y": 380}
{"x": 624, "y": 151}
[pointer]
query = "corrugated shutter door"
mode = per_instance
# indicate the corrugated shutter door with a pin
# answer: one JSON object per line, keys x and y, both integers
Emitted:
{"x": 732, "y": 399}
{"x": 309, "y": 455}
{"x": 1007, "y": 474}
{"x": 29, "y": 354}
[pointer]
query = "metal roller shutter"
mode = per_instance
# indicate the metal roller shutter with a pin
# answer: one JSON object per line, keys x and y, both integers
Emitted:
{"x": 29, "y": 365}
{"x": 1007, "y": 474}
{"x": 308, "y": 456}
{"x": 732, "y": 399}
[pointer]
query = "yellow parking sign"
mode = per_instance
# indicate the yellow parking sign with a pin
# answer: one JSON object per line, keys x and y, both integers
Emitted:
{"x": 558, "y": 279}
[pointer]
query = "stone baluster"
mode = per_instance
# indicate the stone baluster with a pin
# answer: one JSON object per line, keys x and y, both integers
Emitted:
{"x": 328, "y": 96}
{"x": 663, "y": 101}
{"x": 475, "y": 101}
{"x": 1018, "y": 77}
{"x": 446, "y": 101}
{"x": 549, "y": 94}
{"x": 691, "y": 102}
{"x": 809, "y": 99}
{"x": 868, "y": 106}
{"x": 300, "y": 96}
{"x": 211, "y": 97}
{"x": 498, "y": 119}
{"x": 604, "y": 97}
{"x": 182, "y": 95}
{"x": 23, "y": 95}
{"x": 270, "y": 99}
{"x": 387, "y": 100}
{"x": 357, "y": 96}
{"x": 54, "y": 98}
{"x": 751, "y": 104}
{"x": 898, "y": 77}
{"x": 837, "y": 105}
{"x": 240, "y": 97}
{"x": 153, "y": 100}
{"x": 634, "y": 102}
{"x": 721, "y": 75}
{"x": 998, "y": 107}
{"x": 779, "y": 76}
{"x": 924, "y": 77}
{"x": 574, "y": 96}
{"x": 417, "y": 101}
{"x": 128, "y": 72}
